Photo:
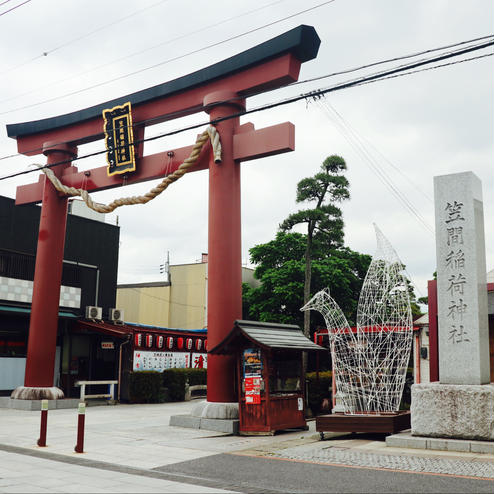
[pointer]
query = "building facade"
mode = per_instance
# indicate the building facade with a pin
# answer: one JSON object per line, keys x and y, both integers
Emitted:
{"x": 180, "y": 302}
{"x": 89, "y": 278}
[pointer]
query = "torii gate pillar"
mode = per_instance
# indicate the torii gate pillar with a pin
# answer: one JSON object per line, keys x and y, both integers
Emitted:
{"x": 47, "y": 278}
{"x": 224, "y": 247}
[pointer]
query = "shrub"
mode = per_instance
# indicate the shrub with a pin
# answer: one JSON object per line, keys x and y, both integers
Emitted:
{"x": 197, "y": 376}
{"x": 175, "y": 380}
{"x": 145, "y": 387}
{"x": 318, "y": 391}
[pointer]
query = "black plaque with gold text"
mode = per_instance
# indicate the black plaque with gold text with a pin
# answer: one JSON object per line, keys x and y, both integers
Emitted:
{"x": 119, "y": 139}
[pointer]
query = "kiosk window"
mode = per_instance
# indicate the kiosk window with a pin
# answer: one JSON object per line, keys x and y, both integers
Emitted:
{"x": 284, "y": 375}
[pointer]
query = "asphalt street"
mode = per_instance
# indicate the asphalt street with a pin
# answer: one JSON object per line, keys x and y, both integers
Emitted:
{"x": 237, "y": 472}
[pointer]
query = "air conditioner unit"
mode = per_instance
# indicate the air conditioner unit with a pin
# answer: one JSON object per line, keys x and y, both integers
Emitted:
{"x": 93, "y": 312}
{"x": 116, "y": 315}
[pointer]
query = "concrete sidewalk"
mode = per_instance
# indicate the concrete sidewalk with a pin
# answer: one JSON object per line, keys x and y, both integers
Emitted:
{"x": 124, "y": 443}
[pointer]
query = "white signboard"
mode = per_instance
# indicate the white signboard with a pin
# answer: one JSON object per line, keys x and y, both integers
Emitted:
{"x": 159, "y": 361}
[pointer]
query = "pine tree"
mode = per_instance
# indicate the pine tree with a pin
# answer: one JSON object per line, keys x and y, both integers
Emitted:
{"x": 324, "y": 221}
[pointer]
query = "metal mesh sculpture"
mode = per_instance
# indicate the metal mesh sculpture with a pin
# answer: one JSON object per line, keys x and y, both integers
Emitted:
{"x": 370, "y": 365}
{"x": 342, "y": 344}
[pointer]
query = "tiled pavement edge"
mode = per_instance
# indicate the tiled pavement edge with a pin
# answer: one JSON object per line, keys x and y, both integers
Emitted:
{"x": 411, "y": 463}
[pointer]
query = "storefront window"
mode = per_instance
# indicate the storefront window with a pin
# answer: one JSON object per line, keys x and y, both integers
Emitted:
{"x": 12, "y": 346}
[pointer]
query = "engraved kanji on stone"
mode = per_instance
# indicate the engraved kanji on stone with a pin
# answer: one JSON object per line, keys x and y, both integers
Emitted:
{"x": 454, "y": 211}
{"x": 456, "y": 284}
{"x": 455, "y": 260}
{"x": 457, "y": 309}
{"x": 455, "y": 235}
{"x": 458, "y": 334}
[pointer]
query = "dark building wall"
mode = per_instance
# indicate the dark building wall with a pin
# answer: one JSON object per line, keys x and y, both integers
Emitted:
{"x": 86, "y": 242}
{"x": 96, "y": 243}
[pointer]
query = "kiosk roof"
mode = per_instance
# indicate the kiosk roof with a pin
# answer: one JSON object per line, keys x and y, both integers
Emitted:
{"x": 266, "y": 335}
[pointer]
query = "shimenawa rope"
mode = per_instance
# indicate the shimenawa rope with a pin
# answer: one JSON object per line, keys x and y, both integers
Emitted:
{"x": 209, "y": 134}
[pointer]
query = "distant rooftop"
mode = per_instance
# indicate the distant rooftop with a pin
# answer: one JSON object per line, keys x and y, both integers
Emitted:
{"x": 490, "y": 276}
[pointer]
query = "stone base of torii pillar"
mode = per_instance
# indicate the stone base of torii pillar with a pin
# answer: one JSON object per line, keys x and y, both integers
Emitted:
{"x": 213, "y": 410}
{"x": 212, "y": 416}
{"x": 37, "y": 393}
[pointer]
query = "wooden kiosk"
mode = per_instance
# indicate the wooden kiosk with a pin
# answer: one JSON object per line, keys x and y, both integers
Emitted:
{"x": 270, "y": 375}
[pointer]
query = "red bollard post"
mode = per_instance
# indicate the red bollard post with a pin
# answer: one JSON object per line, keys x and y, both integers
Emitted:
{"x": 44, "y": 423}
{"x": 79, "y": 447}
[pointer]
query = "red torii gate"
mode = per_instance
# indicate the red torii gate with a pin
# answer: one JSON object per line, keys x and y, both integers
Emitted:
{"x": 220, "y": 90}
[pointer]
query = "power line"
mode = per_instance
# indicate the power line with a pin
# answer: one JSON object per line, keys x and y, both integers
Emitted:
{"x": 449, "y": 54}
{"x": 13, "y": 8}
{"x": 305, "y": 96}
{"x": 362, "y": 138}
{"x": 435, "y": 67}
{"x": 173, "y": 59}
{"x": 402, "y": 68}
{"x": 356, "y": 142}
{"x": 139, "y": 52}
{"x": 90, "y": 33}
{"x": 117, "y": 21}
{"x": 394, "y": 59}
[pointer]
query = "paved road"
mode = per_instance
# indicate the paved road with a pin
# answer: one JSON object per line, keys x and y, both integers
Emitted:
{"x": 248, "y": 474}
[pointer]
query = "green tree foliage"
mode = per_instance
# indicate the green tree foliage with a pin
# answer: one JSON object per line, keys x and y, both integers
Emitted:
{"x": 323, "y": 219}
{"x": 281, "y": 269}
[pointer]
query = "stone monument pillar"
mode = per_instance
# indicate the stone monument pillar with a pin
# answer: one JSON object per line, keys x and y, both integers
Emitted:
{"x": 461, "y": 405}
{"x": 461, "y": 280}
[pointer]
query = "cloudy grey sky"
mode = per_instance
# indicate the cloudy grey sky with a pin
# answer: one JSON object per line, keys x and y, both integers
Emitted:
{"x": 61, "y": 56}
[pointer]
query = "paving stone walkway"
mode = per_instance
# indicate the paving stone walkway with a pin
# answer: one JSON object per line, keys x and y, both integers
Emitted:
{"x": 411, "y": 463}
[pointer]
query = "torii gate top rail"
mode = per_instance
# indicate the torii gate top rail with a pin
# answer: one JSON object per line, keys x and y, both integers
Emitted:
{"x": 297, "y": 45}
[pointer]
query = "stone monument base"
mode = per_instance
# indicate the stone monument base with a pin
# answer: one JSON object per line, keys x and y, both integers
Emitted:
{"x": 37, "y": 393}
{"x": 453, "y": 411}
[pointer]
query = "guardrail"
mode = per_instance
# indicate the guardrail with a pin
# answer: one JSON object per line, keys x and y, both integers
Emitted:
{"x": 196, "y": 391}
{"x": 85, "y": 396}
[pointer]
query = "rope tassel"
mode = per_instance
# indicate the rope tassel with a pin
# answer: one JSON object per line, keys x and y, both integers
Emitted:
{"x": 210, "y": 134}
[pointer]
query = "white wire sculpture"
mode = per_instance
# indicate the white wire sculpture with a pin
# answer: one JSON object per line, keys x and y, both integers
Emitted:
{"x": 370, "y": 365}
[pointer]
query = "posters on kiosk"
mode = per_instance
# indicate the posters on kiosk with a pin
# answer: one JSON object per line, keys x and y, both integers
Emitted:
{"x": 252, "y": 375}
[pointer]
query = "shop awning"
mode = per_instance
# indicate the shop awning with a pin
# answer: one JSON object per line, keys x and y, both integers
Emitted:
{"x": 144, "y": 327}
{"x": 117, "y": 330}
{"x": 27, "y": 310}
{"x": 266, "y": 335}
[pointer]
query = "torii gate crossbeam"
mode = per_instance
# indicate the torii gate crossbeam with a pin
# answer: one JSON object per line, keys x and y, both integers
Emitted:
{"x": 220, "y": 90}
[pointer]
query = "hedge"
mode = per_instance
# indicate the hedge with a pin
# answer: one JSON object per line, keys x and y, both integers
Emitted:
{"x": 175, "y": 380}
{"x": 146, "y": 387}
{"x": 318, "y": 391}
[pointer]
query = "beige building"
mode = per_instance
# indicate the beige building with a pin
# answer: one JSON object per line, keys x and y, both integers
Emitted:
{"x": 179, "y": 303}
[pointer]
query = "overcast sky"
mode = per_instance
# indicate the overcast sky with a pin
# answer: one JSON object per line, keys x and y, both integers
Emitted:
{"x": 408, "y": 129}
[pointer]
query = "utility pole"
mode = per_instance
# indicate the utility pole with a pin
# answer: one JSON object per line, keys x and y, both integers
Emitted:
{"x": 165, "y": 267}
